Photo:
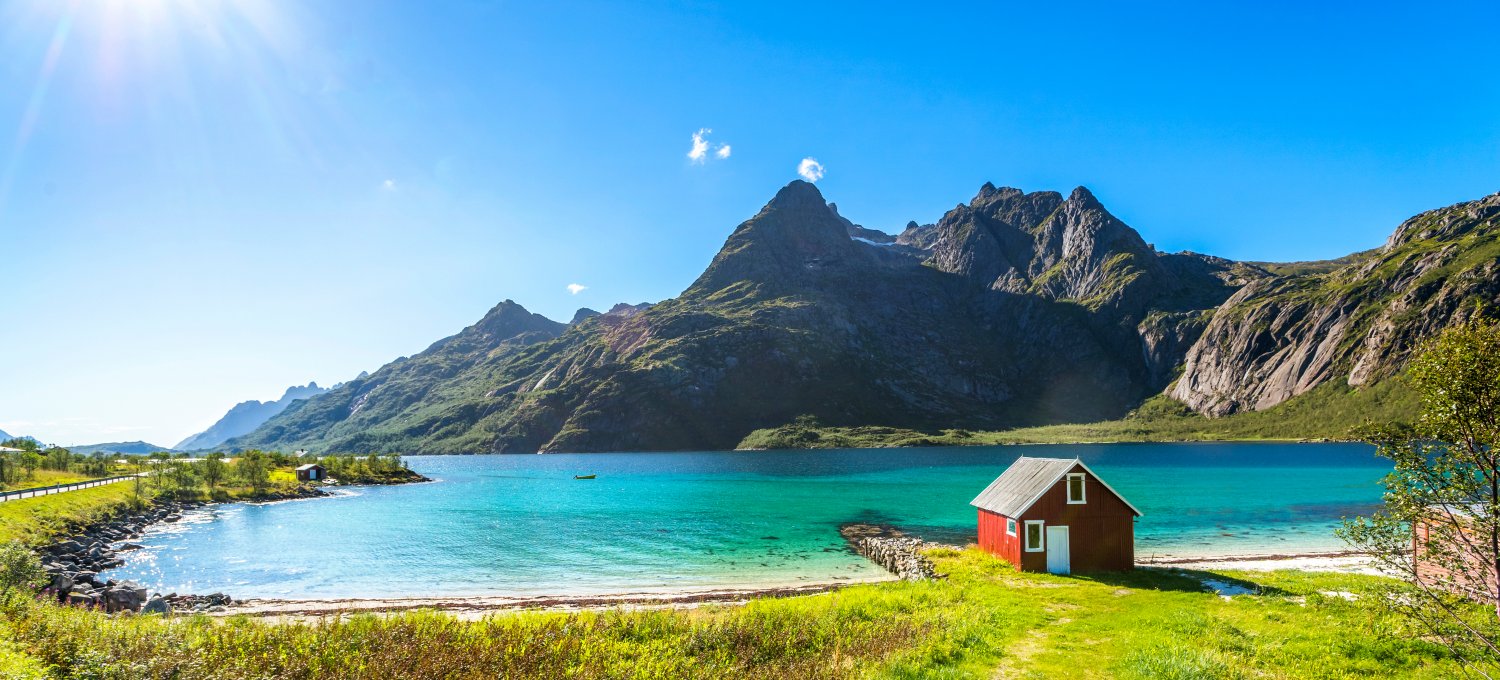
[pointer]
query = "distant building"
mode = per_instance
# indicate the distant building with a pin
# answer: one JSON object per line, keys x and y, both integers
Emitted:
{"x": 1446, "y": 537}
{"x": 1056, "y": 515}
{"x": 311, "y": 472}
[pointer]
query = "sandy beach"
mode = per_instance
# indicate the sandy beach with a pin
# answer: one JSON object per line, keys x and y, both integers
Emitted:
{"x": 478, "y": 606}
{"x": 1350, "y": 562}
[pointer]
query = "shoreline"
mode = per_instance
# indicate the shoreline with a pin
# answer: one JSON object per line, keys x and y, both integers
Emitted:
{"x": 1338, "y": 561}
{"x": 479, "y": 606}
{"x": 77, "y": 561}
{"x": 476, "y": 606}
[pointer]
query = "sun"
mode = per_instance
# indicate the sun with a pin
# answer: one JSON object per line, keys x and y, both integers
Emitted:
{"x": 123, "y": 55}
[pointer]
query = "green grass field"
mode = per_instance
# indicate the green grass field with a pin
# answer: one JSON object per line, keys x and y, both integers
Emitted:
{"x": 983, "y": 621}
{"x": 35, "y": 520}
{"x": 40, "y": 478}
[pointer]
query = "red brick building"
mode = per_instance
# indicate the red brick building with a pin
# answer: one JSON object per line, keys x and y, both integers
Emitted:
{"x": 1056, "y": 515}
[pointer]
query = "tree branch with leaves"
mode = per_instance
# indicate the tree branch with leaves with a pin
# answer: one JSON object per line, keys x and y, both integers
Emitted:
{"x": 1439, "y": 528}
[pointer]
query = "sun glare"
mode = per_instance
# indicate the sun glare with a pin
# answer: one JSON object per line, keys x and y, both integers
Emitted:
{"x": 125, "y": 57}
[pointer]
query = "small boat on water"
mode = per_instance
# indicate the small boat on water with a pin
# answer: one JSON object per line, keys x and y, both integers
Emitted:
{"x": 584, "y": 476}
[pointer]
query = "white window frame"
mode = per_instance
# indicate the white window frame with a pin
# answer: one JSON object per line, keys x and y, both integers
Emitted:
{"x": 1010, "y": 526}
{"x": 1083, "y": 494}
{"x": 1041, "y": 533}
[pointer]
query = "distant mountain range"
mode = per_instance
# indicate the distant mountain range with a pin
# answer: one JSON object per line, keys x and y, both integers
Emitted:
{"x": 245, "y": 416}
{"x": 136, "y": 447}
{"x": 5, "y": 437}
{"x": 1014, "y": 309}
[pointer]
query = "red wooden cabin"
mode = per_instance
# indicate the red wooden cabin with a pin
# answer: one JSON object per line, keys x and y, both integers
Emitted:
{"x": 1056, "y": 515}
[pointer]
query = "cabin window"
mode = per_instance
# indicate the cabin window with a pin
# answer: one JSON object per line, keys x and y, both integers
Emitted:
{"x": 1075, "y": 488}
{"x": 1035, "y": 536}
{"x": 1010, "y": 526}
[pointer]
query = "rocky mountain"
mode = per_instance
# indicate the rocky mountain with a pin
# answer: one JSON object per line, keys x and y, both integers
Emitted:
{"x": 245, "y": 416}
{"x": 131, "y": 448}
{"x": 1356, "y": 323}
{"x": 1013, "y": 309}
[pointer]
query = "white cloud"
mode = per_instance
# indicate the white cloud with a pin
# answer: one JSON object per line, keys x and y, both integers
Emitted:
{"x": 700, "y": 145}
{"x": 699, "y": 153}
{"x": 576, "y": 288}
{"x": 810, "y": 169}
{"x": 388, "y": 185}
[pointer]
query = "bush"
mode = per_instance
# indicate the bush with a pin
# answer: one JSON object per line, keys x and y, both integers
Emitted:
{"x": 19, "y": 569}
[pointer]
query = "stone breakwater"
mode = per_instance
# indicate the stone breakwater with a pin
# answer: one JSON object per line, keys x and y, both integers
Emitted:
{"x": 891, "y": 549}
{"x": 74, "y": 563}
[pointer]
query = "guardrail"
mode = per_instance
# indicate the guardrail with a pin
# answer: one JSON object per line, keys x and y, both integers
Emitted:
{"x": 59, "y": 488}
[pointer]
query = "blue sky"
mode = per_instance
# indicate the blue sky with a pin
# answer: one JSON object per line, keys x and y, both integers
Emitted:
{"x": 204, "y": 201}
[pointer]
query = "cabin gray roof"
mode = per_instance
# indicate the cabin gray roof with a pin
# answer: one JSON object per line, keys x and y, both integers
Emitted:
{"x": 309, "y": 466}
{"x": 1024, "y": 482}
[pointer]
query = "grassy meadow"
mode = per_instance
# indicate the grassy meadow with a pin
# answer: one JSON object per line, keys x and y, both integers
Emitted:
{"x": 41, "y": 478}
{"x": 984, "y": 620}
{"x": 35, "y": 521}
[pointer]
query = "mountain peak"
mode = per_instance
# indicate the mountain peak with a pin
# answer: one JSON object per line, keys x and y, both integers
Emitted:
{"x": 798, "y": 194}
{"x": 796, "y": 237}
{"x": 989, "y": 193}
{"x": 1082, "y": 196}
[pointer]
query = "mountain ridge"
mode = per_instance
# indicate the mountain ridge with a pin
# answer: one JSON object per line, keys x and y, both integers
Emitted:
{"x": 245, "y": 416}
{"x": 1014, "y": 309}
{"x": 128, "y": 448}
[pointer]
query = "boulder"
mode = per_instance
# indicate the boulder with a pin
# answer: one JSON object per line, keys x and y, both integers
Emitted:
{"x": 86, "y": 599}
{"x": 157, "y": 605}
{"x": 62, "y": 582}
{"x": 126, "y": 595}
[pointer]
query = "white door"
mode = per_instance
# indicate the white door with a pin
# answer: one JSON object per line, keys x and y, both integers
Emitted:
{"x": 1058, "y": 558}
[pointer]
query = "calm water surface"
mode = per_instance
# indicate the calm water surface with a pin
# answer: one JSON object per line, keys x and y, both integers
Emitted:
{"x": 521, "y": 525}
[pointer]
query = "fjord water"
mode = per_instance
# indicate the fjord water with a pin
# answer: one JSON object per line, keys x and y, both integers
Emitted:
{"x": 521, "y": 525}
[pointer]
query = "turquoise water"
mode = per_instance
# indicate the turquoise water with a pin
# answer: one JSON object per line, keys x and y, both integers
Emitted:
{"x": 521, "y": 525}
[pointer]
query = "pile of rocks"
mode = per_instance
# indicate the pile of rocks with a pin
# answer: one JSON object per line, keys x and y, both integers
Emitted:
{"x": 216, "y": 602}
{"x": 75, "y": 562}
{"x": 890, "y": 548}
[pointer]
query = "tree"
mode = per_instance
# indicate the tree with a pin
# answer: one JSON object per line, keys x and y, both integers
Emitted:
{"x": 1440, "y": 525}
{"x": 254, "y": 470}
{"x": 213, "y": 470}
{"x": 158, "y": 463}
{"x": 22, "y": 443}
{"x": 19, "y": 569}
{"x": 58, "y": 458}
{"x": 31, "y": 460}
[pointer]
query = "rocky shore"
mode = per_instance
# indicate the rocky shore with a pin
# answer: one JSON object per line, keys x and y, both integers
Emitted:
{"x": 890, "y": 548}
{"x": 74, "y": 563}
